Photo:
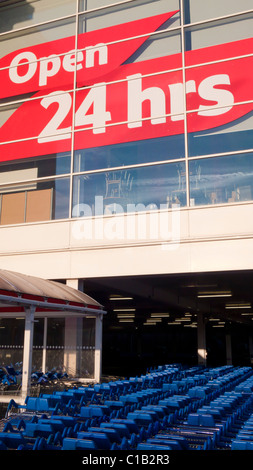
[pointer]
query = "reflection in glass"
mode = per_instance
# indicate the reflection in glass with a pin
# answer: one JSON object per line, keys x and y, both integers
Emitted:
{"x": 162, "y": 45}
{"x": 231, "y": 137}
{"x": 116, "y": 14}
{"x": 132, "y": 190}
{"x": 61, "y": 198}
{"x": 22, "y": 14}
{"x": 47, "y": 165}
{"x": 194, "y": 10}
{"x": 130, "y": 153}
{"x": 220, "y": 180}
{"x": 41, "y": 34}
{"x": 218, "y": 32}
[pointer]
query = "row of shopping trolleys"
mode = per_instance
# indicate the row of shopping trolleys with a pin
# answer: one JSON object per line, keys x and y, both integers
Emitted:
{"x": 170, "y": 408}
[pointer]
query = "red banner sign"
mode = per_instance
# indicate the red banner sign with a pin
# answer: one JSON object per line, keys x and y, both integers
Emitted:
{"x": 119, "y": 102}
{"x": 44, "y": 66}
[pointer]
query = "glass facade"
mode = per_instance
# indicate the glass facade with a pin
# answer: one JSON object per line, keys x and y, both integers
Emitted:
{"x": 169, "y": 121}
{"x": 57, "y": 345}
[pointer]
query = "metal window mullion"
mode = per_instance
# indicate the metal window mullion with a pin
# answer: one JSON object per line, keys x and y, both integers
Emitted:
{"x": 126, "y": 2}
{"x": 129, "y": 167}
{"x": 123, "y": 122}
{"x": 70, "y": 90}
{"x": 74, "y": 15}
{"x": 222, "y": 154}
{"x": 184, "y": 112}
{"x": 51, "y": 204}
{"x": 73, "y": 113}
{"x": 218, "y": 18}
{"x": 36, "y": 180}
{"x": 44, "y": 352}
{"x": 37, "y": 25}
{"x": 110, "y": 5}
{"x": 25, "y": 208}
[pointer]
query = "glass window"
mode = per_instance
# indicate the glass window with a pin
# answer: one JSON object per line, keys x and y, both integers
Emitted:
{"x": 38, "y": 334}
{"x": 137, "y": 108}
{"x": 236, "y": 135}
{"x": 12, "y": 332}
{"x": 34, "y": 130}
{"x": 159, "y": 45}
{"x": 218, "y": 32}
{"x": 90, "y": 4}
{"x": 87, "y": 357}
{"x": 6, "y": 110}
{"x": 55, "y": 332}
{"x": 128, "y": 11}
{"x": 60, "y": 201}
{"x": 39, "y": 137}
{"x": 38, "y": 201}
{"x": 55, "y": 343}
{"x": 132, "y": 190}
{"x": 214, "y": 88}
{"x": 195, "y": 10}
{"x": 11, "y": 342}
{"x": 25, "y": 169}
{"x": 26, "y": 13}
{"x": 130, "y": 153}
{"x": 14, "y": 41}
{"x": 220, "y": 180}
{"x": 89, "y": 327}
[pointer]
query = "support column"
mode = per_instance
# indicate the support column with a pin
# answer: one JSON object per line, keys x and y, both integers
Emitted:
{"x": 201, "y": 340}
{"x": 98, "y": 348}
{"x": 27, "y": 354}
{"x": 229, "y": 349}
{"x": 75, "y": 284}
{"x": 44, "y": 353}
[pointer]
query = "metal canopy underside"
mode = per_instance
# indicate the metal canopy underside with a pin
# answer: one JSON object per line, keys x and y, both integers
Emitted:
{"x": 18, "y": 291}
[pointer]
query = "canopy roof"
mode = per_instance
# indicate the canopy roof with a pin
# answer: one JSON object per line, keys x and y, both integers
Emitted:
{"x": 21, "y": 290}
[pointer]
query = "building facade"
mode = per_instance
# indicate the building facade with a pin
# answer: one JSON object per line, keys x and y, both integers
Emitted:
{"x": 126, "y": 148}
